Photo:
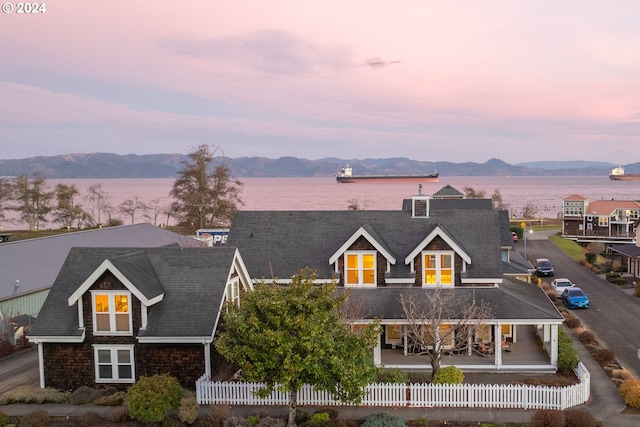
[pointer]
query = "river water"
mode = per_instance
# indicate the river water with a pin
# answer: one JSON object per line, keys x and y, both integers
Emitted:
{"x": 324, "y": 193}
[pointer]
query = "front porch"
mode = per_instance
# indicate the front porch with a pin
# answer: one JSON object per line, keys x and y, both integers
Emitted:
{"x": 526, "y": 354}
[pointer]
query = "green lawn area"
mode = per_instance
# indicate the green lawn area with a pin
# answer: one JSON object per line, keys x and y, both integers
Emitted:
{"x": 569, "y": 247}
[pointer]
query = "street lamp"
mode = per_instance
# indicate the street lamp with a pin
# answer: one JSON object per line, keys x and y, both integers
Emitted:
{"x": 524, "y": 224}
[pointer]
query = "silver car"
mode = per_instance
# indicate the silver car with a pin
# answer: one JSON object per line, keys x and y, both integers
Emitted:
{"x": 560, "y": 284}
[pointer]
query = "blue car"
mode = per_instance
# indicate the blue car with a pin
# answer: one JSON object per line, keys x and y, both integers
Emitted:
{"x": 575, "y": 298}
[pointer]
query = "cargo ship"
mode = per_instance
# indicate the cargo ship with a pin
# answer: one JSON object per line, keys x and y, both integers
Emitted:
{"x": 617, "y": 174}
{"x": 346, "y": 176}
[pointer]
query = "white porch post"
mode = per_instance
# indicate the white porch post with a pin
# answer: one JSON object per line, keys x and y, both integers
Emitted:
{"x": 546, "y": 334}
{"x": 377, "y": 353}
{"x": 207, "y": 359}
{"x": 41, "y": 365}
{"x": 554, "y": 345}
{"x": 497, "y": 344}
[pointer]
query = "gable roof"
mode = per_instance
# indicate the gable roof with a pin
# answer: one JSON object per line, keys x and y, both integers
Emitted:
{"x": 278, "y": 244}
{"x": 35, "y": 262}
{"x": 608, "y": 207}
{"x": 193, "y": 281}
{"x": 448, "y": 192}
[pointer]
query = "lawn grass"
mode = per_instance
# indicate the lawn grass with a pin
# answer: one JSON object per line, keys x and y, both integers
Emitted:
{"x": 569, "y": 247}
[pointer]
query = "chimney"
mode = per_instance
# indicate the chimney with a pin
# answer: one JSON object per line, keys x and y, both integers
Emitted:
{"x": 420, "y": 204}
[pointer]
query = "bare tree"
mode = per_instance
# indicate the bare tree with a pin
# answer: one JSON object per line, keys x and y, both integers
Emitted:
{"x": 496, "y": 200}
{"x": 6, "y": 194}
{"x": 440, "y": 322}
{"x": 99, "y": 200}
{"x": 529, "y": 210}
{"x": 131, "y": 206}
{"x": 153, "y": 210}
{"x": 470, "y": 193}
{"x": 357, "y": 205}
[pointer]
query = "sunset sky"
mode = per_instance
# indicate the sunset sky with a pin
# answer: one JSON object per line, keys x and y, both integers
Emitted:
{"x": 428, "y": 80}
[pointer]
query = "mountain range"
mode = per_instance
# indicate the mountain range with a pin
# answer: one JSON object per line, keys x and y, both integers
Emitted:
{"x": 107, "y": 165}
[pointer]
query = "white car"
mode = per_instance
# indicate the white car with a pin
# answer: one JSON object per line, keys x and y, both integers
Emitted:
{"x": 560, "y": 284}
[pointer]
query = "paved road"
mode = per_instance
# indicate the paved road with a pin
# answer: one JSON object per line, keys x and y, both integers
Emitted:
{"x": 613, "y": 316}
{"x": 19, "y": 369}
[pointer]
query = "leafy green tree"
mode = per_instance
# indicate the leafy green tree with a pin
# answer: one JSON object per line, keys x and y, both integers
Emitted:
{"x": 205, "y": 193}
{"x": 67, "y": 211}
{"x": 33, "y": 200}
{"x": 288, "y": 336}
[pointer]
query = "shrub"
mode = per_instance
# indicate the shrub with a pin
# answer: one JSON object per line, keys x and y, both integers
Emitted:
{"x": 235, "y": 421}
{"x": 269, "y": 421}
{"x": 31, "y": 394}
{"x": 604, "y": 356}
{"x": 319, "y": 417}
{"x": 547, "y": 418}
{"x": 90, "y": 419}
{"x": 115, "y": 399}
{"x": 300, "y": 416}
{"x": 630, "y": 391}
{"x": 621, "y": 374}
{"x": 188, "y": 409}
{"x": 4, "y": 419}
{"x": 219, "y": 413}
{"x": 333, "y": 412}
{"x": 586, "y": 337}
{"x": 621, "y": 281}
{"x": 39, "y": 418}
{"x": 151, "y": 398}
{"x": 392, "y": 376}
{"x": 119, "y": 415}
{"x": 579, "y": 418}
{"x": 591, "y": 257}
{"x": 171, "y": 422}
{"x": 421, "y": 377}
{"x": 572, "y": 322}
{"x": 383, "y": 419}
{"x": 448, "y": 375}
{"x": 567, "y": 356}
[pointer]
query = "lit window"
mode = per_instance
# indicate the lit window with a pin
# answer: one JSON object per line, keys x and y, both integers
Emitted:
{"x": 360, "y": 269}
{"x": 438, "y": 269}
{"x": 112, "y": 313}
{"x": 114, "y": 364}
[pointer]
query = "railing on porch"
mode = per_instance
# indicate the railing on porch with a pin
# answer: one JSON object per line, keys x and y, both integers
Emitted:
{"x": 411, "y": 395}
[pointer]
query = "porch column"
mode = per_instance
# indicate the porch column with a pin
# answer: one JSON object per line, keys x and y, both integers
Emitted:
{"x": 207, "y": 359}
{"x": 41, "y": 364}
{"x": 497, "y": 345}
{"x": 554, "y": 345}
{"x": 377, "y": 353}
{"x": 546, "y": 333}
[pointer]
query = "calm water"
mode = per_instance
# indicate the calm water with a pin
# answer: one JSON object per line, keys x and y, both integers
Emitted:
{"x": 546, "y": 193}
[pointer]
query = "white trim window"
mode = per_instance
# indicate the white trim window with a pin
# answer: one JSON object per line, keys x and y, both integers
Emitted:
{"x": 360, "y": 268}
{"x": 114, "y": 364}
{"x": 111, "y": 312}
{"x": 438, "y": 268}
{"x": 232, "y": 293}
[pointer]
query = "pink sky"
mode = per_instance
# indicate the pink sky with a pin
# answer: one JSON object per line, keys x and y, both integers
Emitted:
{"x": 519, "y": 81}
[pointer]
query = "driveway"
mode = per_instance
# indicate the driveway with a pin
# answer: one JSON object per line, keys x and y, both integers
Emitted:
{"x": 19, "y": 369}
{"x": 614, "y": 314}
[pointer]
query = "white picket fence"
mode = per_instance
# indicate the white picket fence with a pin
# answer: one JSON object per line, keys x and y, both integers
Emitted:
{"x": 410, "y": 395}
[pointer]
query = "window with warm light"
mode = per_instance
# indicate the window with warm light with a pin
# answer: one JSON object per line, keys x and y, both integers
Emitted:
{"x": 114, "y": 364}
{"x": 438, "y": 269}
{"x": 360, "y": 269}
{"x": 112, "y": 313}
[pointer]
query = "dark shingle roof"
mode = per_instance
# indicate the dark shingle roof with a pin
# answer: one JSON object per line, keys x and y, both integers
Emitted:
{"x": 193, "y": 281}
{"x": 281, "y": 243}
{"x": 35, "y": 262}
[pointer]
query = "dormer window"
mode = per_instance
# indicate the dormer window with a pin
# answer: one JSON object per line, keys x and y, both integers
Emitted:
{"x": 437, "y": 268}
{"x": 111, "y": 313}
{"x": 360, "y": 268}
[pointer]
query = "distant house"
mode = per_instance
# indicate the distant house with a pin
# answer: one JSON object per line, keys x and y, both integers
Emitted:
{"x": 116, "y": 314}
{"x": 630, "y": 254}
{"x": 607, "y": 221}
{"x": 462, "y": 247}
{"x": 29, "y": 267}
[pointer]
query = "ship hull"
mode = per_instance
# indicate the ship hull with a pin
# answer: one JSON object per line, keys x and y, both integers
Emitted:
{"x": 386, "y": 178}
{"x": 625, "y": 177}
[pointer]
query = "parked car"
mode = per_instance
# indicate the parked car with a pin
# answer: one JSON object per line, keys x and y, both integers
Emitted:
{"x": 574, "y": 297}
{"x": 544, "y": 267}
{"x": 515, "y": 236}
{"x": 560, "y": 284}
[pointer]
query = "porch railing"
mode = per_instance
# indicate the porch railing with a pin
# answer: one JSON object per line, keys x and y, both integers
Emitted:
{"x": 410, "y": 395}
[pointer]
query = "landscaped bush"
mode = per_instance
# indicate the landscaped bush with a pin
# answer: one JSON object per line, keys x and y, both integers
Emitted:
{"x": 91, "y": 419}
{"x": 630, "y": 391}
{"x": 392, "y": 376}
{"x": 269, "y": 421}
{"x": 448, "y": 375}
{"x": 4, "y": 418}
{"x": 567, "y": 356}
{"x": 119, "y": 415}
{"x": 604, "y": 356}
{"x": 383, "y": 419}
{"x": 621, "y": 281}
{"x": 300, "y": 416}
{"x": 235, "y": 421}
{"x": 572, "y": 322}
{"x": 421, "y": 377}
{"x": 151, "y": 398}
{"x": 188, "y": 409}
{"x": 621, "y": 374}
{"x": 115, "y": 399}
{"x": 591, "y": 257}
{"x": 547, "y": 418}
{"x": 586, "y": 337}
{"x": 611, "y": 277}
{"x": 332, "y": 412}
{"x": 32, "y": 394}
{"x": 579, "y": 418}
{"x": 319, "y": 418}
{"x": 39, "y": 418}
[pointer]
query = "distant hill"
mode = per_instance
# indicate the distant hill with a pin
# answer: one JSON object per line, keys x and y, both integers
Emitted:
{"x": 106, "y": 165}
